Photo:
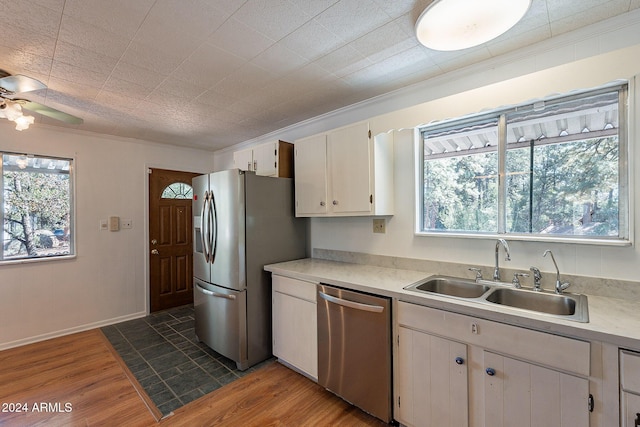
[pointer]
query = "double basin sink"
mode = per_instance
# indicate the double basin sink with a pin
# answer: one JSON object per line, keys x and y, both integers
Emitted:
{"x": 564, "y": 306}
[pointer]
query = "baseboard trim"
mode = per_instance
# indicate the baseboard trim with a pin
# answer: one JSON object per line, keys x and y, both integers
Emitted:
{"x": 69, "y": 331}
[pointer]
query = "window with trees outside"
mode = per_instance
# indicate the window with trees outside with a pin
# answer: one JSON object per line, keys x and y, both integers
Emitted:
{"x": 37, "y": 207}
{"x": 556, "y": 169}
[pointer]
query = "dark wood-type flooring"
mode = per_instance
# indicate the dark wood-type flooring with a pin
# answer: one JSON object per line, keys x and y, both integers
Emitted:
{"x": 79, "y": 380}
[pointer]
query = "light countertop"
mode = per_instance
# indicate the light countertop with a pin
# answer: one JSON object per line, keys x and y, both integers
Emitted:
{"x": 611, "y": 320}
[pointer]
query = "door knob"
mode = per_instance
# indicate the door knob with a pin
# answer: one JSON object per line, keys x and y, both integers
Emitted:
{"x": 490, "y": 371}
{"x": 155, "y": 252}
{"x": 154, "y": 242}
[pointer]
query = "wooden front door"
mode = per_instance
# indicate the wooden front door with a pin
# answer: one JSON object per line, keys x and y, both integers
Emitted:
{"x": 171, "y": 238}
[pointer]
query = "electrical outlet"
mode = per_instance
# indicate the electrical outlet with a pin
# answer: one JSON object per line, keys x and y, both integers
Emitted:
{"x": 379, "y": 225}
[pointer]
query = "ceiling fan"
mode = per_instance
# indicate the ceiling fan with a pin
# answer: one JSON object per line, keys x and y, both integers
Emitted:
{"x": 11, "y": 107}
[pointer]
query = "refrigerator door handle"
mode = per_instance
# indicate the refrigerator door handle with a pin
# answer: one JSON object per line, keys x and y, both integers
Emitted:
{"x": 352, "y": 304}
{"x": 213, "y": 223}
{"x": 203, "y": 229}
{"x": 214, "y": 294}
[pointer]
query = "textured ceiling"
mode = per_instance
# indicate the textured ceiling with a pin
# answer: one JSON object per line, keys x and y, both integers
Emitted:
{"x": 213, "y": 73}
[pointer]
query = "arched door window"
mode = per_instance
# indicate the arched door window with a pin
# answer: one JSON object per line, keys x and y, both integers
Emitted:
{"x": 177, "y": 190}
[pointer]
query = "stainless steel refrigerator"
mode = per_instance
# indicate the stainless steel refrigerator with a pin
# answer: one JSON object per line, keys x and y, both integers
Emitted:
{"x": 241, "y": 222}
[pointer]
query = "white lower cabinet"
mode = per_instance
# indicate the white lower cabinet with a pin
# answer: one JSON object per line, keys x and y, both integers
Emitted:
{"x": 432, "y": 385}
{"x": 456, "y": 370}
{"x": 518, "y": 393}
{"x": 630, "y": 388}
{"x": 295, "y": 328}
{"x": 631, "y": 409}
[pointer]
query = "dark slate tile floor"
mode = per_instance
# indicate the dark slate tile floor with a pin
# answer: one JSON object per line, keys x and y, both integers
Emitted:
{"x": 162, "y": 352}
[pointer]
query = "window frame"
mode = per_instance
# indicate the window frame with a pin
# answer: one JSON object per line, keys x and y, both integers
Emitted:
{"x": 72, "y": 211}
{"x": 625, "y": 88}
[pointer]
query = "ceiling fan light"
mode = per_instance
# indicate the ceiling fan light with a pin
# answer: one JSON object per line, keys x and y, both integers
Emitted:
{"x": 23, "y": 122}
{"x": 12, "y": 111}
{"x": 449, "y": 25}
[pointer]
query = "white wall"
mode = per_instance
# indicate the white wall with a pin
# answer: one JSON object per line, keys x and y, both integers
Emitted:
{"x": 355, "y": 234}
{"x": 585, "y": 58}
{"x": 108, "y": 279}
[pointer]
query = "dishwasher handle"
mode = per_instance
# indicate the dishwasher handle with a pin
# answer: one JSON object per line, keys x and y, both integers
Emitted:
{"x": 351, "y": 304}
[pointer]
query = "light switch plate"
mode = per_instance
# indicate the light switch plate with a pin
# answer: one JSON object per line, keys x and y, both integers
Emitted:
{"x": 114, "y": 223}
{"x": 102, "y": 225}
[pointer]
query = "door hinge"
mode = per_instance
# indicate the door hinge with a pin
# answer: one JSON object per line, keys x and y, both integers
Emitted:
{"x": 398, "y": 401}
{"x": 275, "y": 152}
{"x": 591, "y": 403}
{"x": 369, "y": 133}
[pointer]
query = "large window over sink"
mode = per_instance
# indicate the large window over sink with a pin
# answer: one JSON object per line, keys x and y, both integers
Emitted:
{"x": 37, "y": 207}
{"x": 554, "y": 169}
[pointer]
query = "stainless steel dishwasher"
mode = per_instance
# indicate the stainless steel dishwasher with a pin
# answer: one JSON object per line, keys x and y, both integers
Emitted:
{"x": 354, "y": 348}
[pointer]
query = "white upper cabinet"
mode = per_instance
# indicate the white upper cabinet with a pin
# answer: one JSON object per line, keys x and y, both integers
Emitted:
{"x": 243, "y": 159}
{"x": 270, "y": 159}
{"x": 349, "y": 154}
{"x": 311, "y": 176}
{"x": 344, "y": 172}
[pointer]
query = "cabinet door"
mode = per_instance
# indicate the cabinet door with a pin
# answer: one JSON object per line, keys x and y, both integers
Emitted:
{"x": 349, "y": 157}
{"x": 520, "y": 394}
{"x": 311, "y": 175}
{"x": 432, "y": 384}
{"x": 265, "y": 159}
{"x": 630, "y": 410}
{"x": 295, "y": 332}
{"x": 243, "y": 159}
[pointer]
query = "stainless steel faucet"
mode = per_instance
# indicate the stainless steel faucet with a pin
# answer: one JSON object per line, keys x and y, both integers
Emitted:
{"x": 560, "y": 286}
{"x": 507, "y": 257}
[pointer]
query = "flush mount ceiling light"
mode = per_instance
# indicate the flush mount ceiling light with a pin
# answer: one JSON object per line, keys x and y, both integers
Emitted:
{"x": 459, "y": 24}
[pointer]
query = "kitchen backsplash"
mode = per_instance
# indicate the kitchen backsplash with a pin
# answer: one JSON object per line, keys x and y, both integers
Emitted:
{"x": 612, "y": 288}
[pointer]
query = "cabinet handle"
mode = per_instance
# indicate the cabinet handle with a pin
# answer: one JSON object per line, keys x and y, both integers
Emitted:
{"x": 335, "y": 202}
{"x": 255, "y": 165}
{"x": 322, "y": 203}
{"x": 490, "y": 371}
{"x": 637, "y": 422}
{"x": 459, "y": 360}
{"x": 248, "y": 166}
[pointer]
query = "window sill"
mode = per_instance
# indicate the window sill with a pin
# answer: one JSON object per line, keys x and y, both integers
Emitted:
{"x": 41, "y": 259}
{"x": 528, "y": 238}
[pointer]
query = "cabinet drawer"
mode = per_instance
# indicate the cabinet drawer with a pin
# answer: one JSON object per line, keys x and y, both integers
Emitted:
{"x": 294, "y": 287}
{"x": 550, "y": 350}
{"x": 630, "y": 371}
